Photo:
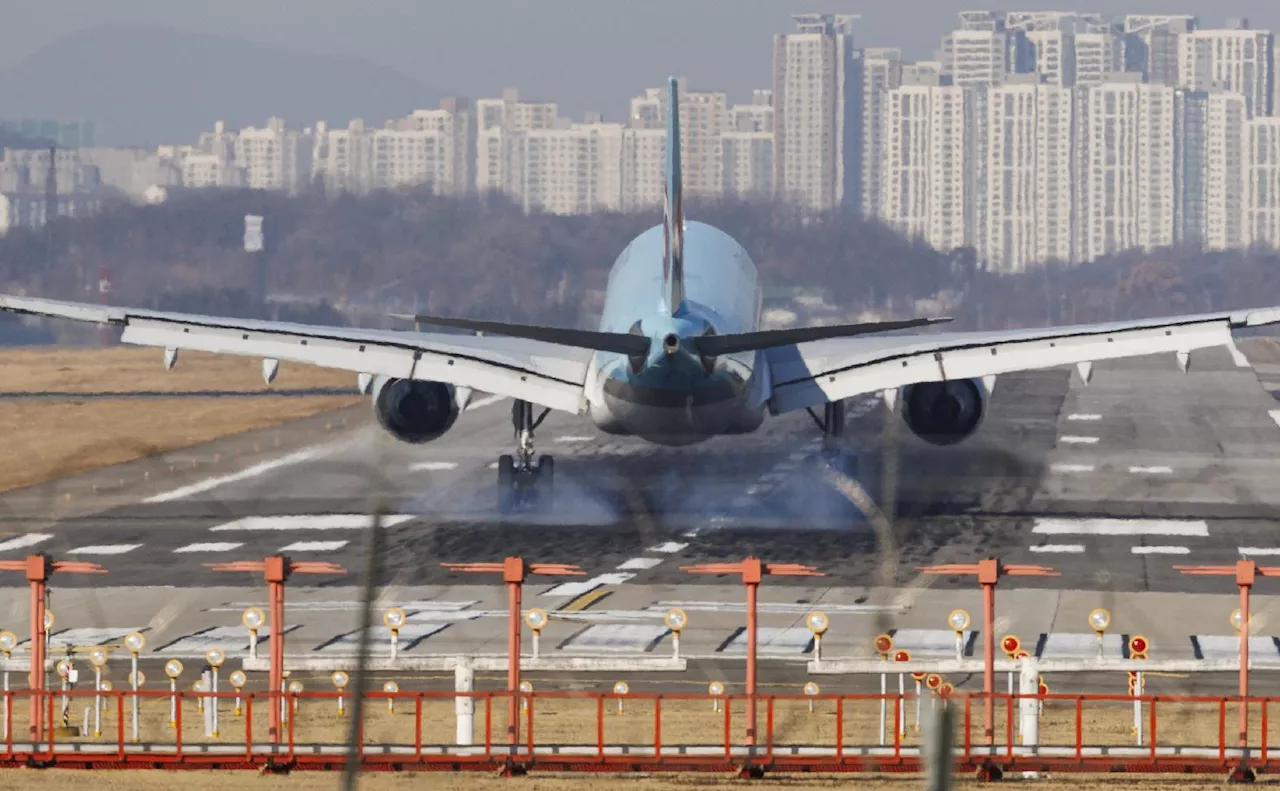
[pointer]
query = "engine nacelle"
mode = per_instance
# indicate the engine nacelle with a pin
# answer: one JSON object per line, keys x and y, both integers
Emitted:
{"x": 944, "y": 413}
{"x": 414, "y": 411}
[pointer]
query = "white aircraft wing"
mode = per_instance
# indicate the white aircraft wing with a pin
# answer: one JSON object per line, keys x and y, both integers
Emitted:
{"x": 542, "y": 373}
{"x": 808, "y": 374}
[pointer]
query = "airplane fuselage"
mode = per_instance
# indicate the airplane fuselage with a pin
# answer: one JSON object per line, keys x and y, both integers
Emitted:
{"x": 673, "y": 396}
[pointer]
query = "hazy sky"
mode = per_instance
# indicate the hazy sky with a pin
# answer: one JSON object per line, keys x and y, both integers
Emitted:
{"x": 587, "y": 54}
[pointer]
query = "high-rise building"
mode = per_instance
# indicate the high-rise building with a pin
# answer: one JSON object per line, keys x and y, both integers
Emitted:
{"x": 1226, "y": 114}
{"x": 643, "y": 165}
{"x": 1190, "y": 168}
{"x": 704, "y": 116}
{"x": 573, "y": 170}
{"x": 1053, "y": 55}
{"x": 274, "y": 157}
{"x": 1099, "y": 53}
{"x": 1262, "y": 182}
{"x": 817, "y": 101}
{"x": 343, "y": 158}
{"x": 1236, "y": 59}
{"x": 1125, "y": 167}
{"x": 881, "y": 73}
{"x": 515, "y": 114}
{"x": 1151, "y": 45}
{"x": 1029, "y": 176}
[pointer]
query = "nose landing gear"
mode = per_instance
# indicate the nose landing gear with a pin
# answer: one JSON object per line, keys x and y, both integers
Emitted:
{"x": 522, "y": 481}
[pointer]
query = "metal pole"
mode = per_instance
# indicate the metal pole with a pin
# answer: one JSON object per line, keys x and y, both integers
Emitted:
{"x": 513, "y": 661}
{"x": 917, "y": 707}
{"x": 901, "y": 708}
{"x": 464, "y": 681}
{"x": 1137, "y": 707}
{"x": 214, "y": 702}
{"x": 395, "y": 642}
{"x": 253, "y": 643}
{"x": 6, "y": 700}
{"x": 133, "y": 682}
{"x": 97, "y": 700}
{"x": 275, "y": 576}
{"x": 988, "y": 659}
{"x": 1244, "y": 660}
{"x": 173, "y": 703}
{"x": 884, "y": 690}
{"x": 675, "y": 645}
{"x": 35, "y": 678}
{"x": 751, "y": 663}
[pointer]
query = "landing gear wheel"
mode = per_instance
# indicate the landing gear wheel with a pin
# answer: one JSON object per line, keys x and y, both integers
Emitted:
{"x": 546, "y": 472}
{"x": 506, "y": 483}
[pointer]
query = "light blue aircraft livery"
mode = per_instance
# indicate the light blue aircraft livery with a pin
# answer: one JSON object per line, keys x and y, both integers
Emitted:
{"x": 679, "y": 356}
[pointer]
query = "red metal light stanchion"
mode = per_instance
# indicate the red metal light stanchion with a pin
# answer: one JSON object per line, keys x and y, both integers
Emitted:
{"x": 1245, "y": 572}
{"x": 989, "y": 572}
{"x": 753, "y": 571}
{"x": 514, "y": 571}
{"x": 276, "y": 570}
{"x": 38, "y": 569}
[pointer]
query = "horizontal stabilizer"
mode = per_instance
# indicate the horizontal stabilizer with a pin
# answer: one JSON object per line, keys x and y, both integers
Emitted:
{"x": 615, "y": 342}
{"x": 715, "y": 345}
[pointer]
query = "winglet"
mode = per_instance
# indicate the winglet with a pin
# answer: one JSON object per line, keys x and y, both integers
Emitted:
{"x": 673, "y": 209}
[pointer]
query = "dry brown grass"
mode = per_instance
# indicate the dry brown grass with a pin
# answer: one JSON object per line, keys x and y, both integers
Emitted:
{"x": 41, "y": 369}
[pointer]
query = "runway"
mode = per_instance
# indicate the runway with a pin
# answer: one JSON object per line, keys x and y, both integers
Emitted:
{"x": 1111, "y": 484}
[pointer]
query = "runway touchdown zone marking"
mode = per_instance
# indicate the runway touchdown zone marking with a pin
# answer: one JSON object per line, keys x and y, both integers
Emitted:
{"x": 1054, "y": 526}
{"x": 1068, "y": 549}
{"x": 314, "y": 546}
{"x": 211, "y": 546}
{"x": 1071, "y": 467}
{"x": 22, "y": 542}
{"x": 103, "y": 549}
{"x": 311, "y": 522}
{"x": 1084, "y": 417}
{"x": 1160, "y": 550}
{"x": 1073, "y": 440}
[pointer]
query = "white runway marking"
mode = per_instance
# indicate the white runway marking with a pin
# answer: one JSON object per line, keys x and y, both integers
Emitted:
{"x": 1071, "y": 467}
{"x": 21, "y": 542}
{"x": 1240, "y": 359}
{"x": 314, "y": 546}
{"x": 573, "y": 439}
{"x": 104, "y": 549}
{"x": 1072, "y": 549}
{"x": 1151, "y": 470}
{"x": 493, "y": 465}
{"x": 1259, "y": 551}
{"x": 1275, "y": 415}
{"x": 1084, "y": 417}
{"x": 667, "y": 548}
{"x": 579, "y": 588}
{"x": 1160, "y": 550}
{"x": 433, "y": 466}
{"x": 310, "y": 522}
{"x": 301, "y": 456}
{"x": 483, "y": 402}
{"x": 215, "y": 546}
{"x": 1072, "y": 440}
{"x": 641, "y": 564}
{"x": 1054, "y": 526}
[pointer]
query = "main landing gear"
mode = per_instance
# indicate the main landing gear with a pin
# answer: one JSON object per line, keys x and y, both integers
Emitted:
{"x": 832, "y": 454}
{"x": 521, "y": 480}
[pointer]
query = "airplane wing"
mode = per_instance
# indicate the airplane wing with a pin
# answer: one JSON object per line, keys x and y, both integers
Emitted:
{"x": 808, "y": 374}
{"x": 542, "y": 373}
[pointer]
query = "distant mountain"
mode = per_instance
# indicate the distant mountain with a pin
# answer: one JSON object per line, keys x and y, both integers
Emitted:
{"x": 145, "y": 85}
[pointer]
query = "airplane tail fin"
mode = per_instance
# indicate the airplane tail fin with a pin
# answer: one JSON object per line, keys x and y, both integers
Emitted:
{"x": 673, "y": 209}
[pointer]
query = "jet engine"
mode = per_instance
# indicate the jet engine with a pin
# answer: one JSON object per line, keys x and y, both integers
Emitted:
{"x": 414, "y": 411}
{"x": 944, "y": 413}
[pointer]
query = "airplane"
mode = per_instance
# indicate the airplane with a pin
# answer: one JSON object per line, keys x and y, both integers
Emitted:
{"x": 679, "y": 356}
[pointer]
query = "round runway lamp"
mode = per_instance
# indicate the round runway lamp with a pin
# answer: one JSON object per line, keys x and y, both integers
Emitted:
{"x": 106, "y": 686}
{"x": 884, "y": 644}
{"x": 340, "y": 679}
{"x": 1237, "y": 620}
{"x": 1138, "y": 646}
{"x": 811, "y": 688}
{"x": 715, "y": 688}
{"x": 1044, "y": 688}
{"x": 919, "y": 677}
{"x": 252, "y": 618}
{"x": 1010, "y": 644}
{"x": 215, "y": 657}
{"x": 393, "y": 618}
{"x": 946, "y": 690}
{"x": 48, "y": 619}
{"x": 296, "y": 687}
{"x": 137, "y": 679}
{"x": 958, "y": 620}
{"x": 392, "y": 688}
{"x": 525, "y": 687}
{"x": 1099, "y": 619}
{"x": 237, "y": 678}
{"x": 98, "y": 657}
{"x": 63, "y": 667}
{"x": 621, "y": 688}
{"x": 902, "y": 655}
{"x": 8, "y": 641}
{"x": 1020, "y": 654}
{"x": 536, "y": 618}
{"x": 933, "y": 681}
{"x": 173, "y": 668}
{"x": 676, "y": 619}
{"x": 818, "y": 622}
{"x": 135, "y": 642}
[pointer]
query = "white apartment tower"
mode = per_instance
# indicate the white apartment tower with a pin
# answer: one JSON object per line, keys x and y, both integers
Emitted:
{"x": 1029, "y": 175}
{"x": 1151, "y": 45}
{"x": 1226, "y": 116}
{"x": 574, "y": 170}
{"x": 1262, "y": 183}
{"x": 274, "y": 157}
{"x": 747, "y": 149}
{"x": 1235, "y": 59}
{"x": 643, "y": 165}
{"x": 817, "y": 86}
{"x": 1098, "y": 55}
{"x": 1125, "y": 167}
{"x": 881, "y": 73}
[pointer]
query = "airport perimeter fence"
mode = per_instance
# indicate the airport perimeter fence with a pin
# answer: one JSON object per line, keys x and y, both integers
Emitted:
{"x": 606, "y": 732}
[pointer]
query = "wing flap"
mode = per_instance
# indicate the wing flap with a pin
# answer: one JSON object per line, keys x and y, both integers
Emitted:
{"x": 809, "y": 374}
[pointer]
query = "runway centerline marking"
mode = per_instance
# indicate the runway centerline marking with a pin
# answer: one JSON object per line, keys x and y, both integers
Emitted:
{"x": 1259, "y": 551}
{"x": 21, "y": 542}
{"x": 212, "y": 546}
{"x": 314, "y": 546}
{"x": 1073, "y": 549}
{"x": 1084, "y": 417}
{"x": 310, "y": 522}
{"x": 433, "y": 466}
{"x": 668, "y": 547}
{"x": 573, "y": 439}
{"x": 1160, "y": 550}
{"x": 103, "y": 549}
{"x": 1074, "y": 440}
{"x": 1071, "y": 467}
{"x": 1151, "y": 470}
{"x": 1058, "y": 526}
{"x": 640, "y": 564}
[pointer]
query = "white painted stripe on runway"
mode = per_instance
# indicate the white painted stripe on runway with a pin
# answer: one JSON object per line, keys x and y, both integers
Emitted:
{"x": 104, "y": 549}
{"x": 1058, "y": 526}
{"x": 1259, "y": 551}
{"x": 1151, "y": 470}
{"x": 1084, "y": 417}
{"x": 641, "y": 564}
{"x": 483, "y": 402}
{"x": 211, "y": 546}
{"x": 1071, "y": 549}
{"x": 1238, "y": 356}
{"x": 314, "y": 546}
{"x": 573, "y": 439}
{"x": 310, "y": 522}
{"x": 22, "y": 542}
{"x": 1073, "y": 440}
{"x": 493, "y": 465}
{"x": 1071, "y": 467}
{"x": 1160, "y": 550}
{"x": 305, "y": 455}
{"x": 667, "y": 548}
{"x": 1275, "y": 415}
{"x": 433, "y": 466}
{"x": 574, "y": 589}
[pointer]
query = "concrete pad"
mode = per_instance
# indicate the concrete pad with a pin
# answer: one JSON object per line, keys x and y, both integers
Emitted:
{"x": 380, "y": 639}
{"x": 1214, "y": 646}
{"x": 1062, "y": 645}
{"x": 771, "y": 640}
{"x": 616, "y": 637}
